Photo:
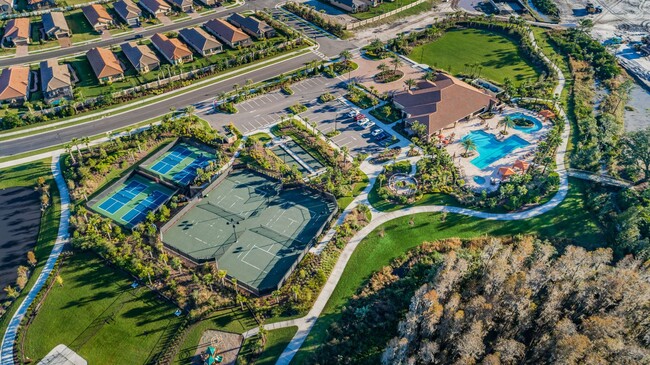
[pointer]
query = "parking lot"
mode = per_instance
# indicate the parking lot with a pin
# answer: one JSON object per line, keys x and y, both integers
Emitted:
{"x": 266, "y": 110}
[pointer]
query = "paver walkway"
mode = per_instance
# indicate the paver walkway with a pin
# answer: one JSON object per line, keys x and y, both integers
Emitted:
{"x": 7, "y": 346}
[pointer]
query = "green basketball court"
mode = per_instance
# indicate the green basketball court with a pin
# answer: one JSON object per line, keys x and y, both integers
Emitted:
{"x": 255, "y": 230}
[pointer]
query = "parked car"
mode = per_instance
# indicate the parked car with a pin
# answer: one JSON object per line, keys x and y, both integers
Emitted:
{"x": 370, "y": 124}
{"x": 377, "y": 132}
{"x": 382, "y": 136}
{"x": 359, "y": 116}
{"x": 363, "y": 122}
{"x": 353, "y": 113}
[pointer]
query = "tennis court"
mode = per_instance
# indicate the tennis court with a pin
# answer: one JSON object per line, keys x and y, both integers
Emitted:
{"x": 130, "y": 202}
{"x": 180, "y": 163}
{"x": 289, "y": 160}
{"x": 254, "y": 229}
{"x": 303, "y": 155}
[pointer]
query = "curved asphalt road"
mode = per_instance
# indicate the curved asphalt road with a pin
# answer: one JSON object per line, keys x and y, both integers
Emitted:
{"x": 196, "y": 97}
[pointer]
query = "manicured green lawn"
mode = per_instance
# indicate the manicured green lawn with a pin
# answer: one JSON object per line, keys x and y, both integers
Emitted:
{"x": 262, "y": 137}
{"x": 457, "y": 49}
{"x": 79, "y": 26}
{"x": 276, "y": 342}
{"x": 379, "y": 113}
{"x": 344, "y": 201}
{"x": 229, "y": 320}
{"x": 99, "y": 315}
{"x": 383, "y": 8}
{"x": 26, "y": 175}
{"x": 569, "y": 220}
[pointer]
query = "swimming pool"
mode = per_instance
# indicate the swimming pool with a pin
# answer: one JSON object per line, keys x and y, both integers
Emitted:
{"x": 537, "y": 124}
{"x": 490, "y": 149}
{"x": 479, "y": 180}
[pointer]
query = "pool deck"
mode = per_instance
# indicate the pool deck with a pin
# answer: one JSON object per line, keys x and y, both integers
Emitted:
{"x": 469, "y": 170}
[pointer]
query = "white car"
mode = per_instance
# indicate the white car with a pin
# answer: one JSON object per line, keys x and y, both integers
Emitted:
{"x": 363, "y": 122}
{"x": 370, "y": 124}
{"x": 377, "y": 132}
{"x": 353, "y": 113}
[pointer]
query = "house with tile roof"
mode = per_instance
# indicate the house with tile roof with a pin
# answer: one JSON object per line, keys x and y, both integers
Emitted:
{"x": 253, "y": 26}
{"x": 14, "y": 85}
{"x": 39, "y": 4}
{"x": 155, "y": 7}
{"x": 174, "y": 51}
{"x": 105, "y": 65}
{"x": 6, "y": 6}
{"x": 353, "y": 6}
{"x": 210, "y": 3}
{"x": 128, "y": 12}
{"x": 140, "y": 56}
{"x": 442, "y": 103}
{"x": 55, "y": 26}
{"x": 182, "y": 5}
{"x": 200, "y": 41}
{"x": 16, "y": 32}
{"x": 56, "y": 82}
{"x": 98, "y": 17}
{"x": 228, "y": 33}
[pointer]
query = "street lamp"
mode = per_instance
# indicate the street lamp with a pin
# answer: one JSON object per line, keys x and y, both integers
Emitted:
{"x": 232, "y": 222}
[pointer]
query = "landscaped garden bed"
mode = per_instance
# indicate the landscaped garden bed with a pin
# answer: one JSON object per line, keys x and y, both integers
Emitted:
{"x": 387, "y": 113}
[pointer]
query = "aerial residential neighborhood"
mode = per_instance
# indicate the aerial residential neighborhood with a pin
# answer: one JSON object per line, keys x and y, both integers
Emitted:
{"x": 324, "y": 182}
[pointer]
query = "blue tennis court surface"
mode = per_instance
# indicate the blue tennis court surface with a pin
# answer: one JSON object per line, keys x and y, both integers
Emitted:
{"x": 138, "y": 213}
{"x": 181, "y": 162}
{"x": 130, "y": 203}
{"x": 122, "y": 197}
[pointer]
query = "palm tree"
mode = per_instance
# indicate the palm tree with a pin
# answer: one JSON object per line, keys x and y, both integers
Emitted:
{"x": 86, "y": 142}
{"x": 507, "y": 122}
{"x": 469, "y": 145}
{"x": 189, "y": 110}
{"x": 221, "y": 274}
{"x": 75, "y": 143}
{"x": 396, "y": 62}
{"x": 68, "y": 149}
{"x": 346, "y": 55}
{"x": 383, "y": 68}
{"x": 410, "y": 83}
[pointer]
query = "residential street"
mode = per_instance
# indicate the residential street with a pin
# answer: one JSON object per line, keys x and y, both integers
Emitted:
{"x": 111, "y": 123}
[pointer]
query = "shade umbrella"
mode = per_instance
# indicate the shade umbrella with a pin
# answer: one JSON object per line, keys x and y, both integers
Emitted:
{"x": 547, "y": 114}
{"x": 521, "y": 165}
{"x": 211, "y": 350}
{"x": 506, "y": 171}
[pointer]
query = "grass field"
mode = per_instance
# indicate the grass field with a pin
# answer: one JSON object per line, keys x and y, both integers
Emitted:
{"x": 79, "y": 26}
{"x": 99, "y": 315}
{"x": 498, "y": 55}
{"x": 26, "y": 175}
{"x": 569, "y": 220}
{"x": 276, "y": 341}
{"x": 230, "y": 320}
{"x": 382, "y": 8}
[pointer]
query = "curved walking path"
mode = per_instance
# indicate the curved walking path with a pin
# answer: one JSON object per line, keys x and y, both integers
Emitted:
{"x": 306, "y": 323}
{"x": 600, "y": 178}
{"x": 7, "y": 346}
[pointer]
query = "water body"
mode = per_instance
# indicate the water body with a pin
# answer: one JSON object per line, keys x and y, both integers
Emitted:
{"x": 20, "y": 218}
{"x": 638, "y": 117}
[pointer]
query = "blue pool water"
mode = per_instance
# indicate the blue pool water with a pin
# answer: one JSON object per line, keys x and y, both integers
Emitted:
{"x": 479, "y": 180}
{"x": 490, "y": 149}
{"x": 537, "y": 124}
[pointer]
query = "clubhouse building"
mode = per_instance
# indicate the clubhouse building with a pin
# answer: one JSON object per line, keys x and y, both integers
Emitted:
{"x": 442, "y": 103}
